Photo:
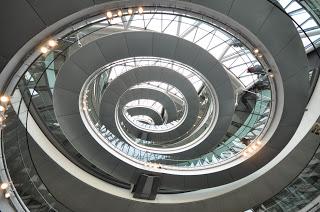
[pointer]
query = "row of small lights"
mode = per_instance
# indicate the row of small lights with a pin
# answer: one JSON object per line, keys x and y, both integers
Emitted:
{"x": 249, "y": 151}
{"x": 252, "y": 148}
{"x": 51, "y": 44}
{"x": 85, "y": 101}
{"x": 153, "y": 165}
{"x": 119, "y": 13}
{"x": 4, "y": 104}
{"x": 257, "y": 53}
{"x": 5, "y": 186}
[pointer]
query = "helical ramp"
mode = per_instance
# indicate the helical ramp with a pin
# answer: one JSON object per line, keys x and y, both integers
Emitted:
{"x": 200, "y": 96}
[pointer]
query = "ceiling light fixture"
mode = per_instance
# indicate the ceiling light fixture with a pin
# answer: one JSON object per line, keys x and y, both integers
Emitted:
{"x": 119, "y": 13}
{"x": 140, "y": 10}
{"x": 4, "y": 99}
{"x": 256, "y": 51}
{"x": 52, "y": 43}
{"x": 109, "y": 14}
{"x": 130, "y": 11}
{"x": 7, "y": 195}
{"x": 250, "y": 150}
{"x": 2, "y": 109}
{"x": 254, "y": 147}
{"x": 44, "y": 50}
{"x": 4, "y": 186}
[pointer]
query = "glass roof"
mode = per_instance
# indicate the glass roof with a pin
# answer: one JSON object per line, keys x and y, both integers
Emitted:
{"x": 236, "y": 57}
{"x": 305, "y": 20}
{"x": 167, "y": 88}
{"x": 147, "y": 103}
{"x": 123, "y": 67}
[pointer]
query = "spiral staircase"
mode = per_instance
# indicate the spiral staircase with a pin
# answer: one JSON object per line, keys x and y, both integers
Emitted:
{"x": 159, "y": 105}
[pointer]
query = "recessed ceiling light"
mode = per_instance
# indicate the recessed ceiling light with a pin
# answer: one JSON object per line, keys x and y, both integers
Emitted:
{"x": 52, "y": 43}
{"x": 250, "y": 150}
{"x": 109, "y": 14}
{"x": 140, "y": 10}
{"x": 4, "y": 99}
{"x": 4, "y": 186}
{"x": 254, "y": 146}
{"x": 44, "y": 50}
{"x": 2, "y": 109}
{"x": 7, "y": 195}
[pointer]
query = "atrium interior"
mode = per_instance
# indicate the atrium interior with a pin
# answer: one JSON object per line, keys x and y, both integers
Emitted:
{"x": 160, "y": 105}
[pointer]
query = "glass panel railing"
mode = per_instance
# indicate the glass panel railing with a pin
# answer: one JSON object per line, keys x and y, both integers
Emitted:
{"x": 251, "y": 127}
{"x": 27, "y": 181}
{"x": 299, "y": 193}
